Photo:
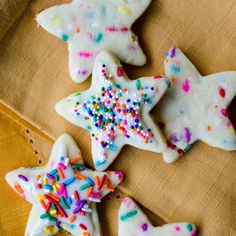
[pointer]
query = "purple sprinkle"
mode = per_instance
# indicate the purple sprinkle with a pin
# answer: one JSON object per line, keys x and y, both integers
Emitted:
{"x": 50, "y": 176}
{"x": 188, "y": 135}
{"x": 80, "y": 205}
{"x": 144, "y": 227}
{"x": 176, "y": 138}
{"x": 58, "y": 223}
{"x": 172, "y": 52}
{"x": 24, "y": 178}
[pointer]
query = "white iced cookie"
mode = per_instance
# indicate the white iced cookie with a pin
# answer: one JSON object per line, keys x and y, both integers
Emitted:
{"x": 115, "y": 110}
{"x": 133, "y": 222}
{"x": 90, "y": 26}
{"x": 64, "y": 192}
{"x": 195, "y": 108}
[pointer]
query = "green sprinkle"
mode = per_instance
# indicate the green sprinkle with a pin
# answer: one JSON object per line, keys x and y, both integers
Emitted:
{"x": 189, "y": 227}
{"x": 188, "y": 148}
{"x": 138, "y": 84}
{"x": 64, "y": 203}
{"x": 128, "y": 215}
{"x": 78, "y": 165}
{"x": 98, "y": 38}
{"x": 54, "y": 207}
{"x": 168, "y": 82}
{"x": 44, "y": 216}
{"x": 89, "y": 127}
{"x": 77, "y": 94}
{"x": 51, "y": 218}
{"x": 57, "y": 178}
{"x": 65, "y": 37}
{"x": 85, "y": 186}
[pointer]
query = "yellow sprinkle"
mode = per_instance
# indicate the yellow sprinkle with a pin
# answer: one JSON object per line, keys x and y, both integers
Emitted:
{"x": 57, "y": 20}
{"x": 52, "y": 212}
{"x": 54, "y": 188}
{"x": 125, "y": 10}
{"x": 40, "y": 197}
{"x": 49, "y": 229}
{"x": 45, "y": 181}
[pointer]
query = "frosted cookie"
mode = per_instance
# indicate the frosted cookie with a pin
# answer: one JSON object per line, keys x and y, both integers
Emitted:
{"x": 64, "y": 192}
{"x": 195, "y": 108}
{"x": 115, "y": 111}
{"x": 132, "y": 221}
{"x": 90, "y": 26}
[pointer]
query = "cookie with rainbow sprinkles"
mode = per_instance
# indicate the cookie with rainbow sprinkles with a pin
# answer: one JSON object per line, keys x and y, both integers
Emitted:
{"x": 90, "y": 26}
{"x": 115, "y": 111}
{"x": 132, "y": 221}
{"x": 64, "y": 192}
{"x": 195, "y": 108}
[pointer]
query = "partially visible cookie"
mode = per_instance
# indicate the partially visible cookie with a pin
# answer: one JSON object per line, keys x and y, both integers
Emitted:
{"x": 64, "y": 192}
{"x": 195, "y": 108}
{"x": 90, "y": 26}
{"x": 132, "y": 221}
{"x": 115, "y": 111}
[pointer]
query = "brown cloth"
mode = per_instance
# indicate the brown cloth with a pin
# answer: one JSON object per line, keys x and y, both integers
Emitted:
{"x": 201, "y": 187}
{"x": 10, "y": 10}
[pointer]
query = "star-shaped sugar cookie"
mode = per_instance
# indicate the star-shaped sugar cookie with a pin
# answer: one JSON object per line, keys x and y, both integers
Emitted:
{"x": 64, "y": 192}
{"x": 195, "y": 108}
{"x": 115, "y": 110}
{"x": 90, "y": 26}
{"x": 133, "y": 222}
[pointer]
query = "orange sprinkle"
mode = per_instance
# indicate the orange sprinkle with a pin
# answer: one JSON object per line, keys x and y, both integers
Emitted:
{"x": 78, "y": 29}
{"x": 80, "y": 176}
{"x": 89, "y": 191}
{"x": 72, "y": 219}
{"x": 74, "y": 160}
{"x": 42, "y": 203}
{"x": 38, "y": 177}
{"x": 54, "y": 197}
{"x": 108, "y": 187}
{"x": 61, "y": 174}
{"x": 174, "y": 80}
{"x": 86, "y": 234}
{"x": 209, "y": 128}
{"x": 97, "y": 181}
{"x": 18, "y": 188}
{"x": 52, "y": 181}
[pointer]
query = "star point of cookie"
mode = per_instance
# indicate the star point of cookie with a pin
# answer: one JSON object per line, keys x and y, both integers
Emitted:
{"x": 132, "y": 221}
{"x": 64, "y": 192}
{"x": 115, "y": 110}
{"x": 195, "y": 108}
{"x": 90, "y": 26}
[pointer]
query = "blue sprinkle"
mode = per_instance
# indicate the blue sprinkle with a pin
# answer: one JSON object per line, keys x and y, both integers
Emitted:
{"x": 62, "y": 158}
{"x": 53, "y": 172}
{"x": 70, "y": 181}
{"x": 72, "y": 226}
{"x": 175, "y": 68}
{"x": 90, "y": 181}
{"x": 49, "y": 187}
{"x": 100, "y": 163}
{"x": 69, "y": 200}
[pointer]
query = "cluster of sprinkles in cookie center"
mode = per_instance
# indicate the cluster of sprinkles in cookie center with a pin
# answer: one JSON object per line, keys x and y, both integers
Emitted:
{"x": 116, "y": 111}
{"x": 65, "y": 196}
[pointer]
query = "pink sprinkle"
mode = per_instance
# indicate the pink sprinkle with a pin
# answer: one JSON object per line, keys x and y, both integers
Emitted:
{"x": 85, "y": 54}
{"x": 177, "y": 228}
{"x": 222, "y": 92}
{"x": 61, "y": 189}
{"x": 61, "y": 165}
{"x": 224, "y": 112}
{"x": 194, "y": 233}
{"x": 120, "y": 174}
{"x": 186, "y": 86}
{"x": 124, "y": 29}
{"x": 112, "y": 29}
{"x": 96, "y": 195}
